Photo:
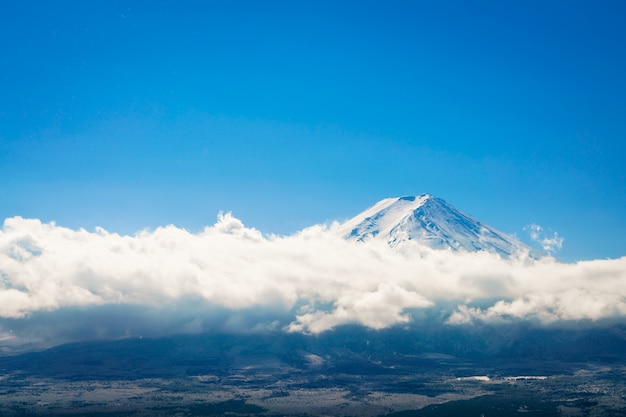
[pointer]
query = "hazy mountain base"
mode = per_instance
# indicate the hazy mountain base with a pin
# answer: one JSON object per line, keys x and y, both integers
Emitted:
{"x": 494, "y": 371}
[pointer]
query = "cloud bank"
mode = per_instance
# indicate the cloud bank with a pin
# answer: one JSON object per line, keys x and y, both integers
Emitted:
{"x": 59, "y": 284}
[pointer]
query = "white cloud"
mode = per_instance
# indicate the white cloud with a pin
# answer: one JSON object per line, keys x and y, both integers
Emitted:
{"x": 376, "y": 309}
{"x": 59, "y": 284}
{"x": 549, "y": 241}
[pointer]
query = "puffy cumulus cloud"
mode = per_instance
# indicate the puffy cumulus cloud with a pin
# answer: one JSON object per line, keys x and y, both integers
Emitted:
{"x": 549, "y": 242}
{"x": 377, "y": 309}
{"x": 550, "y": 292}
{"x": 59, "y": 284}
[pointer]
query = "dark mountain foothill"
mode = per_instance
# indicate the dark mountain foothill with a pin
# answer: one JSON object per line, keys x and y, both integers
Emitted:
{"x": 399, "y": 371}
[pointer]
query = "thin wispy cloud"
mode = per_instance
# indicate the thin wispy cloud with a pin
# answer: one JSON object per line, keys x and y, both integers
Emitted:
{"x": 59, "y": 284}
{"x": 549, "y": 240}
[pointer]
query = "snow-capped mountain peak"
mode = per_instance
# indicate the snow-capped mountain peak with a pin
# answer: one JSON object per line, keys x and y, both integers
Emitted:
{"x": 431, "y": 221}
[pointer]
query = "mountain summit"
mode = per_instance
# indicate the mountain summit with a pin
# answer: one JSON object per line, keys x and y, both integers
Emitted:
{"x": 431, "y": 221}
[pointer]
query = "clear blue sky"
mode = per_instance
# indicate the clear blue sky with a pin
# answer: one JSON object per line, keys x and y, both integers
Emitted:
{"x": 135, "y": 114}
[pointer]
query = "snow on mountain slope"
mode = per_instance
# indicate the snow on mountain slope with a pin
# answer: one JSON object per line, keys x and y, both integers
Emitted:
{"x": 431, "y": 221}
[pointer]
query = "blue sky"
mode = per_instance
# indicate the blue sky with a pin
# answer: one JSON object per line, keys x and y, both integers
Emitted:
{"x": 132, "y": 115}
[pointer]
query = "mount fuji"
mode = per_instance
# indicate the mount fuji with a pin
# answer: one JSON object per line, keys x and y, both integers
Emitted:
{"x": 432, "y": 222}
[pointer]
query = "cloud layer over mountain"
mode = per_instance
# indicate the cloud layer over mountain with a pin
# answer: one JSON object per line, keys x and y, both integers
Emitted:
{"x": 58, "y": 284}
